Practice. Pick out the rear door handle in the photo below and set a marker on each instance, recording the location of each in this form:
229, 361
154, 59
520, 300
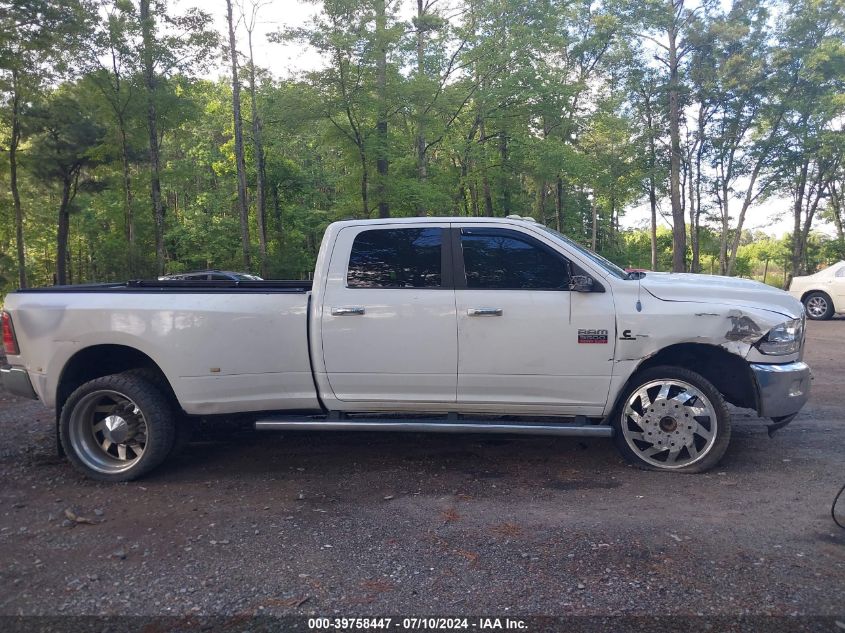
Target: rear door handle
484, 312
348, 311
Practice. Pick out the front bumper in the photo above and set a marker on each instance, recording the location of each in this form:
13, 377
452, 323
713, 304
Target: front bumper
781, 389
16, 381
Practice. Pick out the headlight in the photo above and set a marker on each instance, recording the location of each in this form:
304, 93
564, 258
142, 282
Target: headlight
783, 339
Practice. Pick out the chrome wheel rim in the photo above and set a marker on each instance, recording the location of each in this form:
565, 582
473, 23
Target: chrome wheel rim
669, 423
817, 306
108, 431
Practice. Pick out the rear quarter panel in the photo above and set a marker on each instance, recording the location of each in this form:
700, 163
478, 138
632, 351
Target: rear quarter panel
221, 352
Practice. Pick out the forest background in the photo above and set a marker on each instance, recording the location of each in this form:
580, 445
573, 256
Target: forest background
141, 138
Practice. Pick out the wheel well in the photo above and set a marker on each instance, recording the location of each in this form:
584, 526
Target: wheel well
104, 360
809, 292
729, 373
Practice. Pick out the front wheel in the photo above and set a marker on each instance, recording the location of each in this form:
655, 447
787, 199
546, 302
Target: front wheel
818, 306
672, 419
117, 428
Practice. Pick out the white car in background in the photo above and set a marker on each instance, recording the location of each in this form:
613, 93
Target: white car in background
823, 294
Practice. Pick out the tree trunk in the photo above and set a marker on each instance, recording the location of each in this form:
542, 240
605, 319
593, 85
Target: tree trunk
260, 168
128, 213
559, 225
13, 178
243, 210
595, 213
485, 181
836, 208
679, 232
724, 205
693, 224
128, 217
746, 203
152, 128
365, 185
462, 187
540, 201
63, 232
749, 191
382, 164
809, 213
797, 263
696, 228
422, 160
652, 190
473, 198
488, 197
277, 213
506, 190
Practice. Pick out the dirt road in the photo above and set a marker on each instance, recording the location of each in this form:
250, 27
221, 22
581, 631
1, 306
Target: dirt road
414, 524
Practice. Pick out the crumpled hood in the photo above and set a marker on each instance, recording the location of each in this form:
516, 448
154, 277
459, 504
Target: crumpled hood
733, 291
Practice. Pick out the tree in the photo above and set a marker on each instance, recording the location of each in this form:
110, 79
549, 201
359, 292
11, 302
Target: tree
114, 65
382, 148
666, 25
171, 44
835, 211
438, 91
151, 83
37, 40
257, 141
243, 208
647, 94
810, 59
63, 148
745, 117
357, 39
571, 111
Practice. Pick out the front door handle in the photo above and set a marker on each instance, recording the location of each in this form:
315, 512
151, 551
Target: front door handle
484, 312
347, 311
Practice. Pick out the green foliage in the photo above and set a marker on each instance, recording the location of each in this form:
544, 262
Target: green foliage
554, 109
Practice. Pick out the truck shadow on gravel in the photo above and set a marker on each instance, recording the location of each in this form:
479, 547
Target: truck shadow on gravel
257, 454
240, 453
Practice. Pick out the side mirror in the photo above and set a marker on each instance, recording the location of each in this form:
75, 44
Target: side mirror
581, 283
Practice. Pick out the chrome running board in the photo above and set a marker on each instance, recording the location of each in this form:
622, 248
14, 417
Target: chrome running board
288, 423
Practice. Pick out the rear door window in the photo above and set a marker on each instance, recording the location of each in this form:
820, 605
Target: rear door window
396, 258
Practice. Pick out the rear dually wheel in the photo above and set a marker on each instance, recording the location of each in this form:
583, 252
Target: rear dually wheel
117, 428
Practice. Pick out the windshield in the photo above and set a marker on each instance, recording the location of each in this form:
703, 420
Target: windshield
597, 259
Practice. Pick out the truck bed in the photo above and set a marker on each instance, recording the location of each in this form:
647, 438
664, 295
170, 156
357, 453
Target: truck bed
224, 346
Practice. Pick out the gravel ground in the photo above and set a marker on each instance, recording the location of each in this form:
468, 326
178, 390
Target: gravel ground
420, 524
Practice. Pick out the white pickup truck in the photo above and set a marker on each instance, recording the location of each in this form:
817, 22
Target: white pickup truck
494, 325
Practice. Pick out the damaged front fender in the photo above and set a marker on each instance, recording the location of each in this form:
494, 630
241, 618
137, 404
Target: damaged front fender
668, 332
663, 323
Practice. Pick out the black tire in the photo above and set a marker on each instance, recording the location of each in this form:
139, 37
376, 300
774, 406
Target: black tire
185, 425
699, 457
147, 406
821, 306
